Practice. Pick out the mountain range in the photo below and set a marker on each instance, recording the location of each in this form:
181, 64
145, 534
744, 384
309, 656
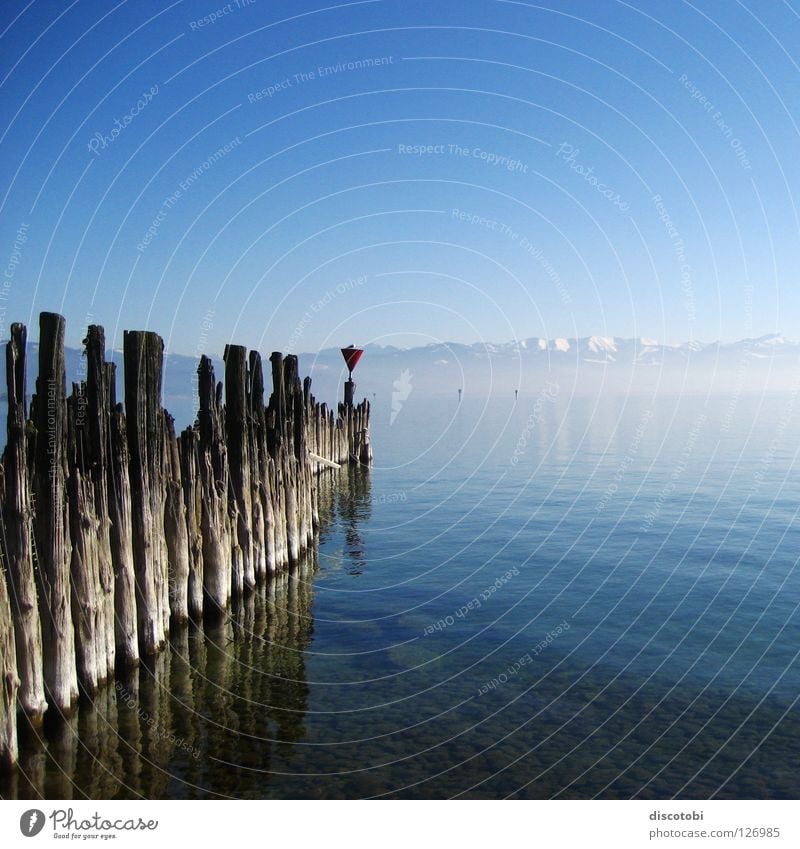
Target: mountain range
583, 365
587, 364
603, 349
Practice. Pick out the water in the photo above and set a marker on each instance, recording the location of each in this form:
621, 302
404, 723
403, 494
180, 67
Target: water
559, 598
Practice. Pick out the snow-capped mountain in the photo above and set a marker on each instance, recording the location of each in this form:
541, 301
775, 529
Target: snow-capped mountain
604, 349
589, 364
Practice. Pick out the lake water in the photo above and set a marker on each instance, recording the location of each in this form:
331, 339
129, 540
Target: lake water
556, 597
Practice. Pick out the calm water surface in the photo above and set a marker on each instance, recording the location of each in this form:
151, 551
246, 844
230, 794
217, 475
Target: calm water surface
555, 598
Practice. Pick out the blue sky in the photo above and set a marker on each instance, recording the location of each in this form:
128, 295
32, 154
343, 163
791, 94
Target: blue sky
462, 171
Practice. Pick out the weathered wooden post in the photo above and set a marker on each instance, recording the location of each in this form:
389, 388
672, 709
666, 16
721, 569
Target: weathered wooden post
258, 463
9, 681
51, 518
18, 536
277, 401
144, 353
91, 569
305, 525
276, 439
291, 471
175, 528
121, 532
90, 648
237, 431
365, 450
213, 459
98, 412
192, 499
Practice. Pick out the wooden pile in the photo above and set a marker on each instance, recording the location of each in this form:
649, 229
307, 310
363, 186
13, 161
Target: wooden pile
116, 529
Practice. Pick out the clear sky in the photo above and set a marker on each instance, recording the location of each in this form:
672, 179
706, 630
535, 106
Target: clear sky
293, 175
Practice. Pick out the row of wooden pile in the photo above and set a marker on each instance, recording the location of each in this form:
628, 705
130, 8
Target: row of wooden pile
114, 528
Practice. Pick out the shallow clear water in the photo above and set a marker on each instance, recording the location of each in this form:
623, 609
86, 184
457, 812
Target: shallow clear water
555, 598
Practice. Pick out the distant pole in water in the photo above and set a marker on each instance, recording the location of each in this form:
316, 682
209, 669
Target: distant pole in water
516, 393
351, 356
459, 396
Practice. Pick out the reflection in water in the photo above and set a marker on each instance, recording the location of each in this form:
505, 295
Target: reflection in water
262, 705
347, 505
210, 715
233, 692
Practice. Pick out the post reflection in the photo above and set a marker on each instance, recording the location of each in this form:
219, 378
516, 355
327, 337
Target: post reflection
204, 718
347, 502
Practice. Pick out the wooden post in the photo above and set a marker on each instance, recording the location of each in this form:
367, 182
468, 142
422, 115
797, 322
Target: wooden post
9, 681
98, 412
277, 402
85, 582
291, 470
18, 537
364, 455
50, 524
120, 510
280, 483
301, 391
237, 430
192, 495
217, 570
175, 526
91, 567
276, 441
258, 462
271, 537
144, 353
349, 392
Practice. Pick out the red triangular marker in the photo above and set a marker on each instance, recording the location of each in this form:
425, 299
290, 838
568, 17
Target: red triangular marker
351, 356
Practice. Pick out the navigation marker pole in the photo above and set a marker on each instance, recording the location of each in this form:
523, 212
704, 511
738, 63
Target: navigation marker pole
351, 356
